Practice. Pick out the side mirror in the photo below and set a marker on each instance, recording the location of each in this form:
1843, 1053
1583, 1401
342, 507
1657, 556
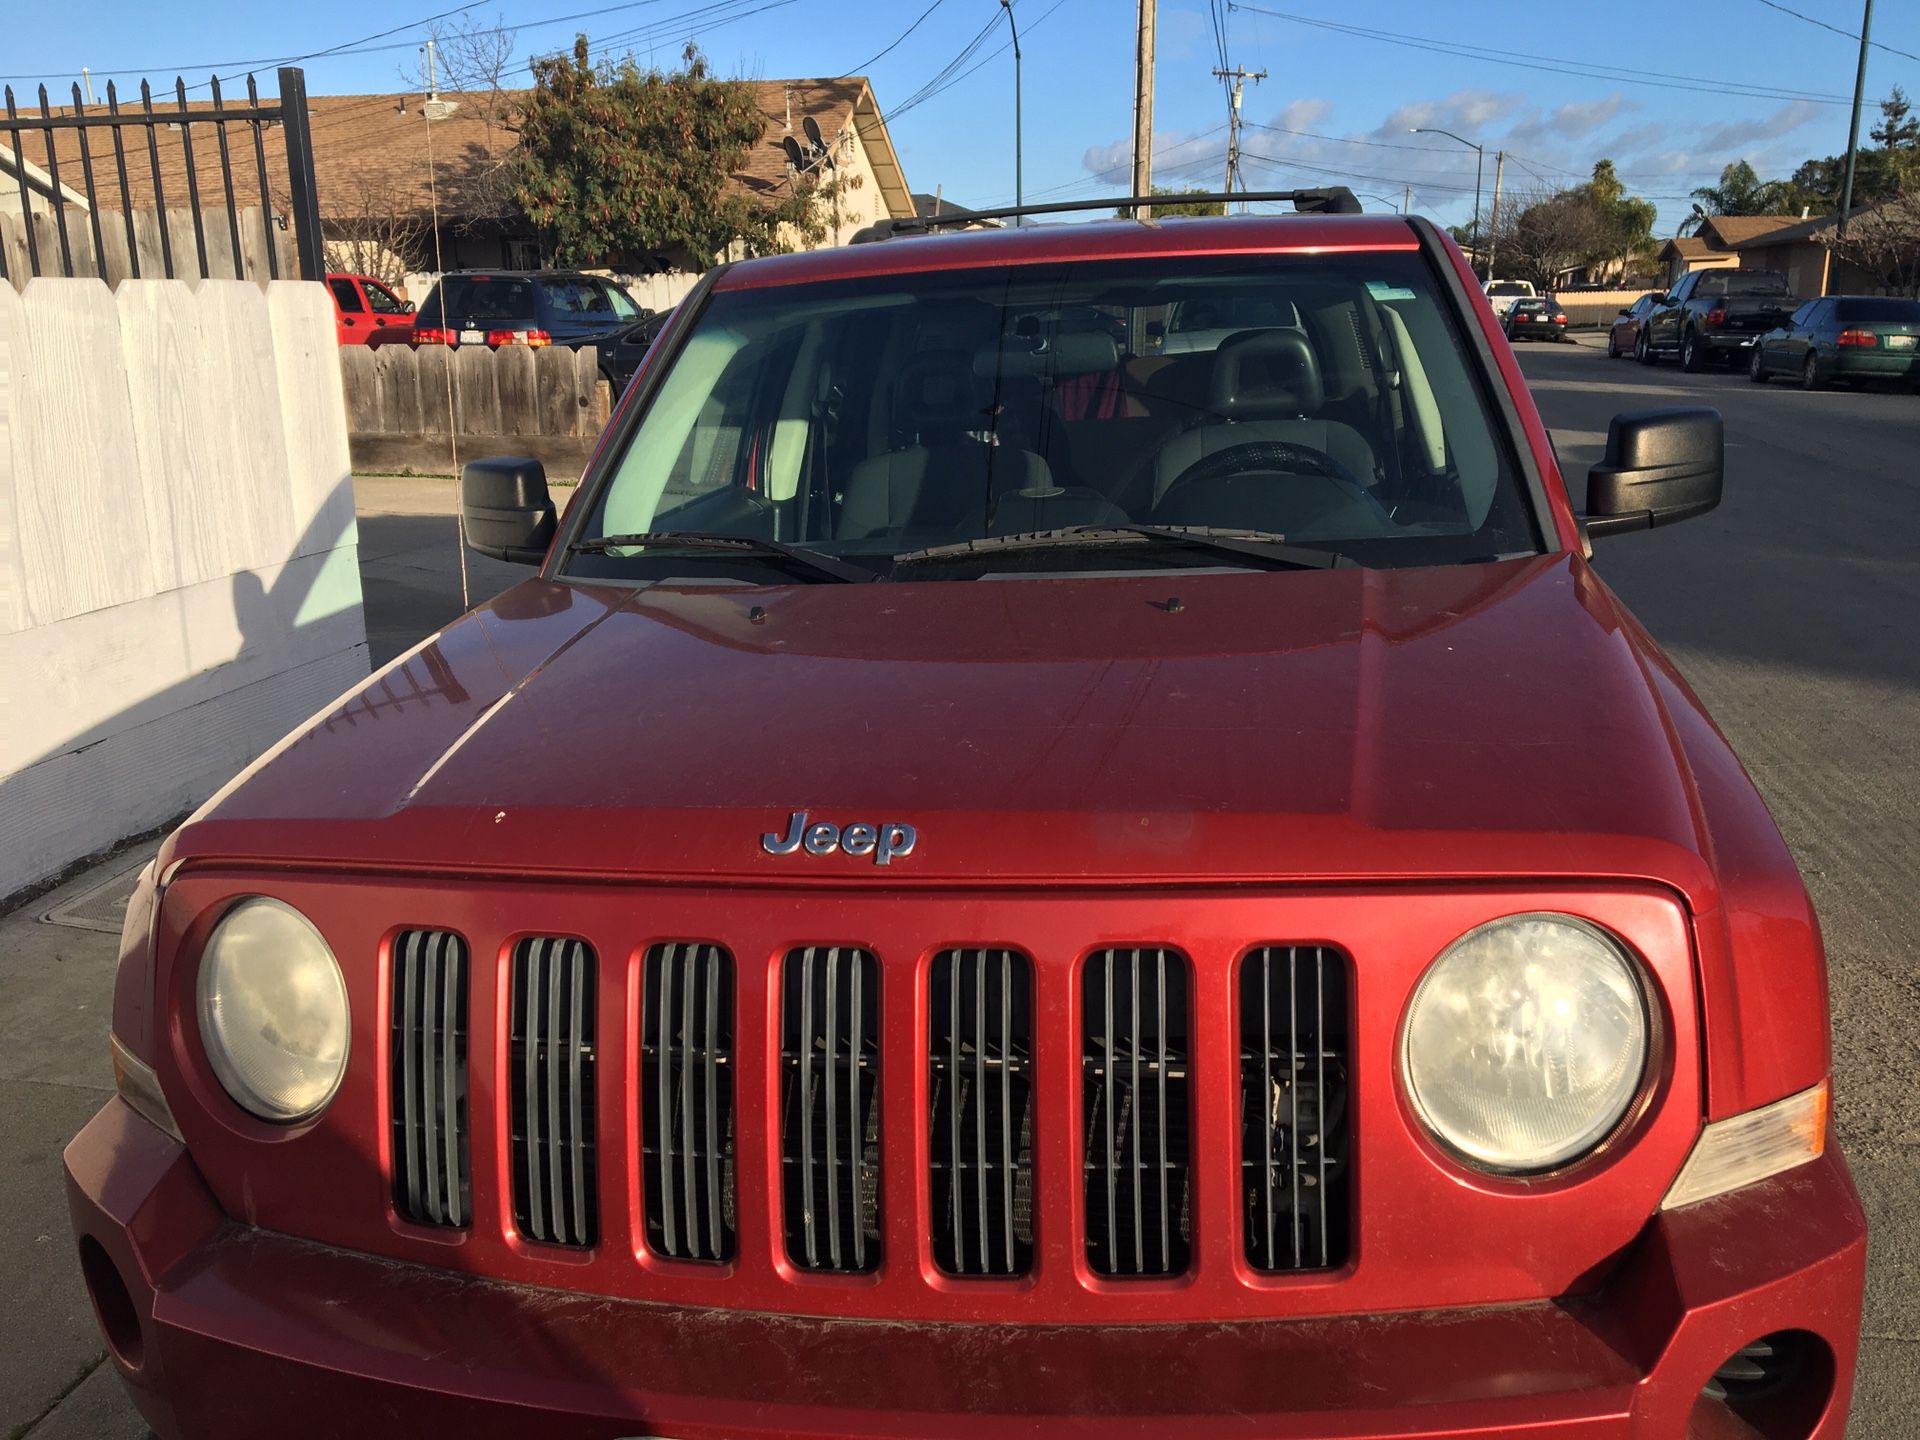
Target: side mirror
1626, 314
506, 510
1660, 466
406, 307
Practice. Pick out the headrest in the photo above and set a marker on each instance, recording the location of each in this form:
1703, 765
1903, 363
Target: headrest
935, 389
1075, 352
1265, 374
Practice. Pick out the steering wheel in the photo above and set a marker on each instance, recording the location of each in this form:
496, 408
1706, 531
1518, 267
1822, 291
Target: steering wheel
1274, 456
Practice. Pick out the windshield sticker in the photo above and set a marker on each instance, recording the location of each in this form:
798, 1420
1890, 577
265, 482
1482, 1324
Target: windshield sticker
1381, 290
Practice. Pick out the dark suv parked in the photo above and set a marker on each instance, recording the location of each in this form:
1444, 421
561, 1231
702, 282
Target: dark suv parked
1715, 314
537, 308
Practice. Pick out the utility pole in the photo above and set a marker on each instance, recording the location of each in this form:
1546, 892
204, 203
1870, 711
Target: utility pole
1406, 202
1239, 75
1493, 221
1019, 184
1143, 109
1853, 131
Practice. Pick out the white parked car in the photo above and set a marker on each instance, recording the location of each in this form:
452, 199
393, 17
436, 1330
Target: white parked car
1503, 293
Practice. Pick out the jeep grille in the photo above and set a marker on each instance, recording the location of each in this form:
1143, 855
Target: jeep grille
551, 1069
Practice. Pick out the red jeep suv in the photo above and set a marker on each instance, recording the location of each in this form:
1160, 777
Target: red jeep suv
1004, 877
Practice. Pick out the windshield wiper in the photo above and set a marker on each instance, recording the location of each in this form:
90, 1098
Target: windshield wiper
810, 562
1269, 549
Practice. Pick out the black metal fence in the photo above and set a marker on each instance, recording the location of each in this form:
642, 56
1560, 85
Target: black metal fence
162, 228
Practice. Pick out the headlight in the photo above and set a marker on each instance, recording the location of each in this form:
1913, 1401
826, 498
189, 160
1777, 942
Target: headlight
1526, 1042
273, 1011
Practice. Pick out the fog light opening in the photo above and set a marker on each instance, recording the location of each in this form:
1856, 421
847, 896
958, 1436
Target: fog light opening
113, 1304
1778, 1386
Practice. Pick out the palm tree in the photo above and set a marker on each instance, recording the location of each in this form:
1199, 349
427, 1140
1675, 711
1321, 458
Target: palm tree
1740, 192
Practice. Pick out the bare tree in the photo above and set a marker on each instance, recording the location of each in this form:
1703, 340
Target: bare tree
1883, 241
376, 230
1547, 233
475, 64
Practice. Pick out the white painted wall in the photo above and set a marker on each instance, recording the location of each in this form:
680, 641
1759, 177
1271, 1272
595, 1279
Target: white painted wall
179, 577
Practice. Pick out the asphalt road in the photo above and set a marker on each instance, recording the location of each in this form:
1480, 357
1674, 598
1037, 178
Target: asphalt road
1792, 610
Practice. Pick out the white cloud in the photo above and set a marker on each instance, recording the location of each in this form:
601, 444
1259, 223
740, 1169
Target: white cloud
1465, 110
1303, 114
1784, 121
1580, 118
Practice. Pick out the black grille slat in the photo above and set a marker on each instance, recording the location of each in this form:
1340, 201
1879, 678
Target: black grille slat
431, 1180
1136, 1094
686, 1057
830, 1109
1294, 1045
553, 1112
980, 1111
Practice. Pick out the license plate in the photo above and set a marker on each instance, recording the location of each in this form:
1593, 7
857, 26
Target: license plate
472, 337
1900, 342
1746, 342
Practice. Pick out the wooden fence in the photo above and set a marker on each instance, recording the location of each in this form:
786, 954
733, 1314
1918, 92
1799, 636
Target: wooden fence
1598, 307
426, 409
111, 262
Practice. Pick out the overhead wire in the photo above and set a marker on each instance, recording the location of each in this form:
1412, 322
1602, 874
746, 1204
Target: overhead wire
1844, 34
933, 88
874, 59
1523, 60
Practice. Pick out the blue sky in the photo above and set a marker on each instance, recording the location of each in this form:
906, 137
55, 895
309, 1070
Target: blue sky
1337, 103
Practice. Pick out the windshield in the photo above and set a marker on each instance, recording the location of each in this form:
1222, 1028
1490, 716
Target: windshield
1744, 282
585, 297
481, 298
1333, 406
1892, 310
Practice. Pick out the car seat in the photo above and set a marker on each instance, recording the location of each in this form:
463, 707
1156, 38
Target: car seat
1265, 386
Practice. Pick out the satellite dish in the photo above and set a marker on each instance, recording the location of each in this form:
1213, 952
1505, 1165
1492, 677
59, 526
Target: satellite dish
812, 127
437, 109
794, 157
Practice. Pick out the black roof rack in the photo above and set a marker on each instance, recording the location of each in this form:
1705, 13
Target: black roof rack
1333, 200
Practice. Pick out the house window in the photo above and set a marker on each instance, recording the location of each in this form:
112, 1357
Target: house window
521, 254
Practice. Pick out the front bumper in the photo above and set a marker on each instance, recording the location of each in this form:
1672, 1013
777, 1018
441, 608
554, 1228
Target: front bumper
222, 1330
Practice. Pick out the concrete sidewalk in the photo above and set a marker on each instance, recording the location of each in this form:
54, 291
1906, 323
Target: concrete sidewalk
57, 957
56, 975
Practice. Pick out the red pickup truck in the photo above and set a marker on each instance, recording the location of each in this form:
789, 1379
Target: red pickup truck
368, 312
995, 880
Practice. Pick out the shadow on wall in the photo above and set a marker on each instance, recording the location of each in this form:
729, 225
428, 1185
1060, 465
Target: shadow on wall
256, 654
178, 575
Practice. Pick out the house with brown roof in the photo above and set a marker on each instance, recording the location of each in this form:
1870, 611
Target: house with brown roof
1715, 245
396, 165
1811, 269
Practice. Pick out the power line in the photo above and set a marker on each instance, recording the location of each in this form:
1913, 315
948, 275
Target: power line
711, 16
1113, 171
266, 60
1846, 34
1523, 61
939, 84
866, 64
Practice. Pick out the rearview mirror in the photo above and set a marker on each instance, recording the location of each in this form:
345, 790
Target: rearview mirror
506, 510
1660, 466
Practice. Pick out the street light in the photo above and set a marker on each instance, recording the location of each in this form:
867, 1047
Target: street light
1019, 195
1479, 165
1386, 200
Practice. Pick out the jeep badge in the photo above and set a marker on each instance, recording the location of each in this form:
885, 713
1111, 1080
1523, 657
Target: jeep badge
884, 842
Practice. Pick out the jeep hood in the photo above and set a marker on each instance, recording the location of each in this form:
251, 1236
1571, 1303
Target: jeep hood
1469, 721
